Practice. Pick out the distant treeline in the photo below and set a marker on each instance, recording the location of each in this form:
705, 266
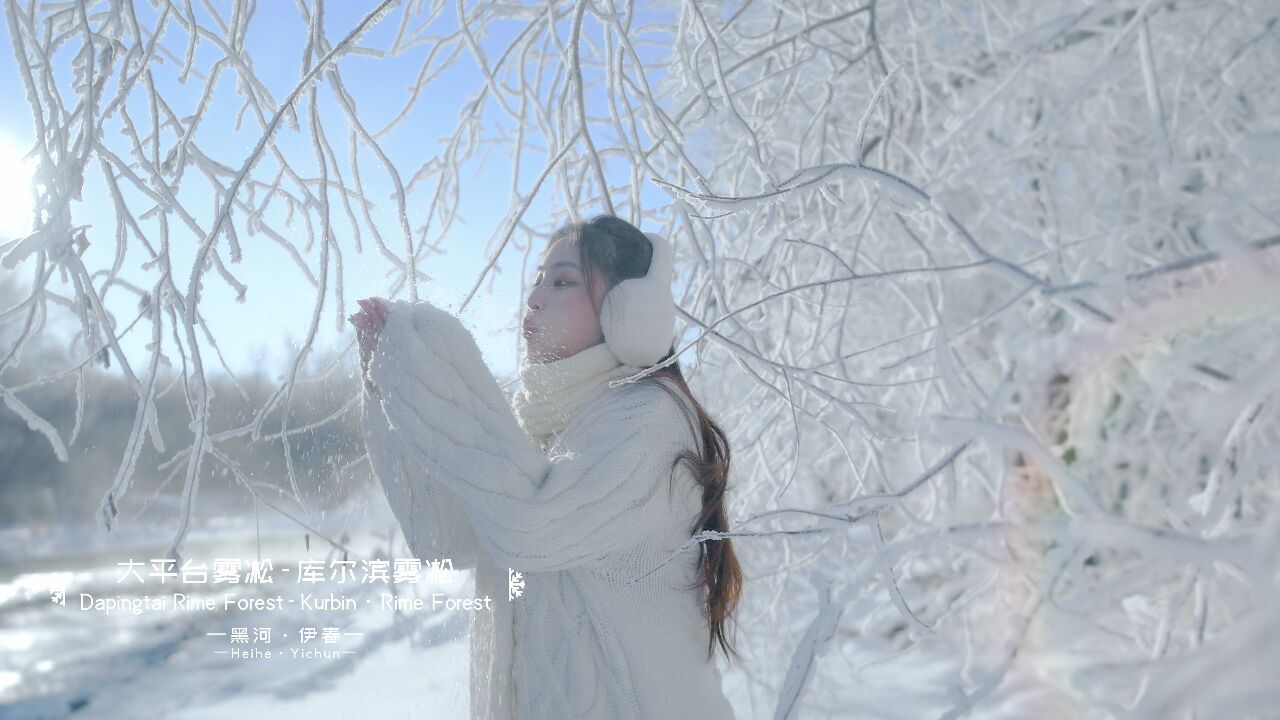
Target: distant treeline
35, 487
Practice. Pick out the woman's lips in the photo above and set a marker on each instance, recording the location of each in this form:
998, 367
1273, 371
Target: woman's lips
529, 329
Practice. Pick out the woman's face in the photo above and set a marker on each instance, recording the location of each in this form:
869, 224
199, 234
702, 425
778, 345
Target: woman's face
560, 317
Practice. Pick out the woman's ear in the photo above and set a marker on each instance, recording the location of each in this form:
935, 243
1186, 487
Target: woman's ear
639, 314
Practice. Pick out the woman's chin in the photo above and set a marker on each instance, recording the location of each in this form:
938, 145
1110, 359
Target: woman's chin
536, 354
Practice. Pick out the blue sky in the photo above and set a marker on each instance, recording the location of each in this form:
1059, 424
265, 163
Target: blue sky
280, 301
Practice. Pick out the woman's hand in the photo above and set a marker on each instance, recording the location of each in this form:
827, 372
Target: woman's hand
369, 322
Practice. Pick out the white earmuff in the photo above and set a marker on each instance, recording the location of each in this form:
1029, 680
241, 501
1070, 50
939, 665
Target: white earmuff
638, 315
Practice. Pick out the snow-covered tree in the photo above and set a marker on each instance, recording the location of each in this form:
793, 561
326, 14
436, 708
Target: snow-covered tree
1001, 280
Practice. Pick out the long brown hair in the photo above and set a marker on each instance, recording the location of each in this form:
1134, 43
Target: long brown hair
619, 250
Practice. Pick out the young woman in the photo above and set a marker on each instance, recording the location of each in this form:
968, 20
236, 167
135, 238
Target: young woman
588, 489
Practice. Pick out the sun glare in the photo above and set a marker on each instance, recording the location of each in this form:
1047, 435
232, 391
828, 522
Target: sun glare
15, 189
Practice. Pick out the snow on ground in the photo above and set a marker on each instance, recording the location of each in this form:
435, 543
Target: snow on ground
63, 661
58, 661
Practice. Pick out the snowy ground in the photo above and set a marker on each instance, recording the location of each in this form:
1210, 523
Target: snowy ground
62, 661
58, 661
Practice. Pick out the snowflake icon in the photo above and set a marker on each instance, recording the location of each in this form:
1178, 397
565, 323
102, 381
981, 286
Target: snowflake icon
515, 584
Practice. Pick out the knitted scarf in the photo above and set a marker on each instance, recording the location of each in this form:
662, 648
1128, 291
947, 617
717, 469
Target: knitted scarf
553, 393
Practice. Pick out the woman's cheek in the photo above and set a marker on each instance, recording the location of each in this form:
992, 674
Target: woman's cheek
583, 317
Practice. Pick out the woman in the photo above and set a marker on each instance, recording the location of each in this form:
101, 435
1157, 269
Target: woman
588, 489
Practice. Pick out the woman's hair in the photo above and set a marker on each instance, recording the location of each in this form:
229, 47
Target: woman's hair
619, 250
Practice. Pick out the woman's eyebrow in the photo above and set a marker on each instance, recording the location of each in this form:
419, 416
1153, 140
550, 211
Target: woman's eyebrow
562, 262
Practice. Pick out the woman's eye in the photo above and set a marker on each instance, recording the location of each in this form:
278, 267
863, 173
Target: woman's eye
538, 281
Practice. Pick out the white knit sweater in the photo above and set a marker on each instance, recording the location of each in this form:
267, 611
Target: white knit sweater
572, 491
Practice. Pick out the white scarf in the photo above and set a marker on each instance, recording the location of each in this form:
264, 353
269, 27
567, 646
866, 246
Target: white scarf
553, 393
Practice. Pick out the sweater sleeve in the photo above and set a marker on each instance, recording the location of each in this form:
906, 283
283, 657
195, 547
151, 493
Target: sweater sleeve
530, 512
433, 520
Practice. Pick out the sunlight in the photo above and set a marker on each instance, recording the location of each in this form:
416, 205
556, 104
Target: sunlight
15, 189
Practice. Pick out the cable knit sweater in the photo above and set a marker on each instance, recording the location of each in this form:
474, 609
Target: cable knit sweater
576, 490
